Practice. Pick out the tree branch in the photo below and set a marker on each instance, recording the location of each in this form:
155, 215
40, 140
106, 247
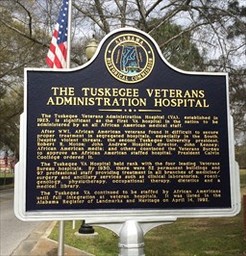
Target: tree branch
23, 34
142, 12
102, 16
182, 33
122, 9
89, 15
30, 18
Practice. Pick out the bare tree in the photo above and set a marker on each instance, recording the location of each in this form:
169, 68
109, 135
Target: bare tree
215, 31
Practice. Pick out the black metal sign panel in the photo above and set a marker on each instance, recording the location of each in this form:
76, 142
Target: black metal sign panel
127, 132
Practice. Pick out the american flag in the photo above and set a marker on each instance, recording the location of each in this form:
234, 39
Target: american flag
57, 54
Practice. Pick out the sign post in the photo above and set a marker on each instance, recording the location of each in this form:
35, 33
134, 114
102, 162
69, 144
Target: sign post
126, 137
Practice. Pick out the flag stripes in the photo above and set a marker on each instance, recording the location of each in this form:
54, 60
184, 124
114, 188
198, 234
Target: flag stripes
57, 54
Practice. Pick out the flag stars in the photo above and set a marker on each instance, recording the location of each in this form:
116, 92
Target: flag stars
62, 21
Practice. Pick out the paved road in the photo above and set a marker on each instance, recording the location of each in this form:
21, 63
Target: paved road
12, 230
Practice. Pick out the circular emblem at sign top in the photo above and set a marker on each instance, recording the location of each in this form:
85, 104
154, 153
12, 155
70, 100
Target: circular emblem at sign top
129, 58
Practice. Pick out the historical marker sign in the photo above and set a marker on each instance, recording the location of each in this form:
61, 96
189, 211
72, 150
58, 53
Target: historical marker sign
127, 134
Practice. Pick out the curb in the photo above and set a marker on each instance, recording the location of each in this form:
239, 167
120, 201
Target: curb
38, 244
27, 245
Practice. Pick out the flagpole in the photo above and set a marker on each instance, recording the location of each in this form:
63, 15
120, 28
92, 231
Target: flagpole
61, 223
69, 33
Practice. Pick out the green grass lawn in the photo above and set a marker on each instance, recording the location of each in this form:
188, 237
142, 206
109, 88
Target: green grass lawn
7, 175
6, 179
185, 237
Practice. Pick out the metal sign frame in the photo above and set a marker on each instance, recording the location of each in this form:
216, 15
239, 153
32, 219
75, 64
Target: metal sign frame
120, 215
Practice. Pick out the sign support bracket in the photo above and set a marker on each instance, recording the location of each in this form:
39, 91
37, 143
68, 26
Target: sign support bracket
131, 234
